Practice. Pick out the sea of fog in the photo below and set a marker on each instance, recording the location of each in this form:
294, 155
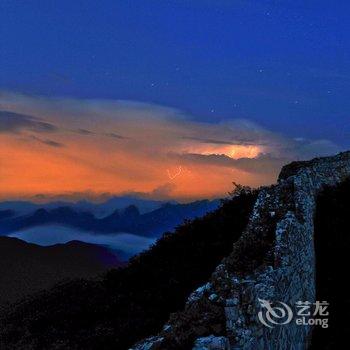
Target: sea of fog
126, 243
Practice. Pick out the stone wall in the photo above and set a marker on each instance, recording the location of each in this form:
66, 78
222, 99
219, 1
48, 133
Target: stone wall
273, 260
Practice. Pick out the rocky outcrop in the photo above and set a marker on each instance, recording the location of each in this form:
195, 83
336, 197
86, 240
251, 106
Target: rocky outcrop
274, 260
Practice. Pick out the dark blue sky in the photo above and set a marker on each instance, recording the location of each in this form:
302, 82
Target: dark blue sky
283, 64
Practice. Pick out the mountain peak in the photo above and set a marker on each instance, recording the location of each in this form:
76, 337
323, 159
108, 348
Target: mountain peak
131, 211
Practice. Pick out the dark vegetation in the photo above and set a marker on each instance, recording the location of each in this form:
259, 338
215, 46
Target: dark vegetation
332, 245
131, 303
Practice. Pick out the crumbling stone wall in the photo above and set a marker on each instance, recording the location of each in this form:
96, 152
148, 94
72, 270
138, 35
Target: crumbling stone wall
273, 260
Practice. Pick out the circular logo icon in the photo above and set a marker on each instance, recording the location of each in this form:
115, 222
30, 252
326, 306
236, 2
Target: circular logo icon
271, 316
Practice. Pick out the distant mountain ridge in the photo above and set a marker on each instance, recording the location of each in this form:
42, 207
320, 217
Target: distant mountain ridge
22, 207
129, 219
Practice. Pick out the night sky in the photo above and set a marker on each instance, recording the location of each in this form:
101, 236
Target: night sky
280, 65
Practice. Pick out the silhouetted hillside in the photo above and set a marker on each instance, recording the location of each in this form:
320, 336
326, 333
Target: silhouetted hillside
132, 302
26, 268
332, 246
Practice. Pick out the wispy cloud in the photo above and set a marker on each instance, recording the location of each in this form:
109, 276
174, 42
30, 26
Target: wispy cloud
114, 135
108, 146
263, 163
11, 122
47, 142
84, 132
238, 141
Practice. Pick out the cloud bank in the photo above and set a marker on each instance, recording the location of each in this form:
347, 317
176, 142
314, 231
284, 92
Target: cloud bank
60, 145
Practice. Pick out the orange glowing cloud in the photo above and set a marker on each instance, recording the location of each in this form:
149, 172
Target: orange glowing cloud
65, 146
